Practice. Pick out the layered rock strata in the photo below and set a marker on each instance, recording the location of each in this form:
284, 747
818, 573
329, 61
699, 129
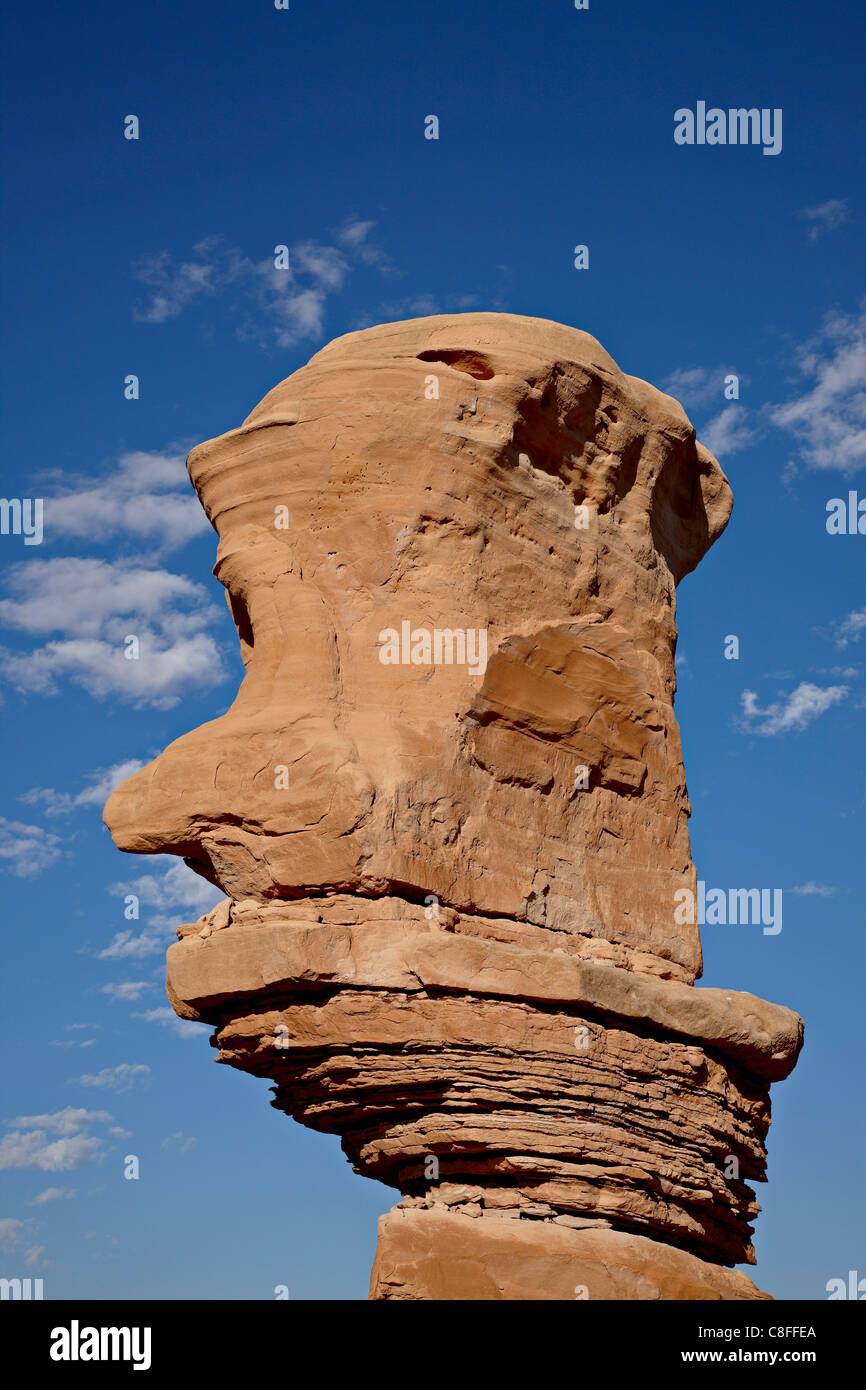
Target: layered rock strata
451, 932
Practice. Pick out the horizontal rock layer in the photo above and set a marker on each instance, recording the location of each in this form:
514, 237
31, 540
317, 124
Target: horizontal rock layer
541, 1083
274, 947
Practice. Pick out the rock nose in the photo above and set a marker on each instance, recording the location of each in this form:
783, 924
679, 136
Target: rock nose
258, 809
168, 807
145, 817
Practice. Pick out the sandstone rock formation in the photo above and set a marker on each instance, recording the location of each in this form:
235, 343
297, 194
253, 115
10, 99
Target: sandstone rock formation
449, 812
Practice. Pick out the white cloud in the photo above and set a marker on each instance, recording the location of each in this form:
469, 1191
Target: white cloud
829, 417
179, 1140
129, 945
353, 235
97, 791
177, 886
300, 315
293, 299
36, 1150
53, 1194
826, 217
814, 890
851, 629
800, 708
175, 284
78, 596
728, 432
95, 605
173, 895
324, 264
120, 1078
175, 890
78, 1028
26, 850
69, 1120
697, 386
148, 496
11, 1231
167, 1018
422, 305
33, 1255
128, 990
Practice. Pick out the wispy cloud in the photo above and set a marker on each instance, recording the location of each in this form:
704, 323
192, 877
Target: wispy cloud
172, 893
848, 673
26, 850
795, 712
167, 1018
70, 1120
728, 432
851, 628
731, 428
826, 217
179, 1140
292, 299
423, 305
172, 285
95, 607
11, 1232
828, 418
120, 1078
101, 783
128, 990
697, 386
814, 890
134, 945
53, 1194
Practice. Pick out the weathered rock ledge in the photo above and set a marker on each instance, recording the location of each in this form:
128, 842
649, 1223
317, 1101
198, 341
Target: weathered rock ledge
276, 954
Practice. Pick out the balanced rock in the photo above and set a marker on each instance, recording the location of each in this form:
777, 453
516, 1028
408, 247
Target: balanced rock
449, 812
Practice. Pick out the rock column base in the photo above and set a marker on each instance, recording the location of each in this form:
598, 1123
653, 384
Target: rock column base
429, 1254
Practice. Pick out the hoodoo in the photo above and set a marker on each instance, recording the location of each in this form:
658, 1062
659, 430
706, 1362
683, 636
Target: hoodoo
440, 942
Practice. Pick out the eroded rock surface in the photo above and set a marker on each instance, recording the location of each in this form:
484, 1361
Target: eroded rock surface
450, 933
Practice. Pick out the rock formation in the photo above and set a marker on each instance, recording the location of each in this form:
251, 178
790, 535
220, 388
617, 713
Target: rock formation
449, 813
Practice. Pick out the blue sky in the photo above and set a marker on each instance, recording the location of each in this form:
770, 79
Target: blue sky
154, 257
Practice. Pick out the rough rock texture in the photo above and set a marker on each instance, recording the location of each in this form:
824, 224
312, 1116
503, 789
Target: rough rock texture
451, 933
440, 1256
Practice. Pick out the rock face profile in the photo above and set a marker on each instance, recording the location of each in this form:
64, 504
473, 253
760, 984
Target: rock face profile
449, 813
